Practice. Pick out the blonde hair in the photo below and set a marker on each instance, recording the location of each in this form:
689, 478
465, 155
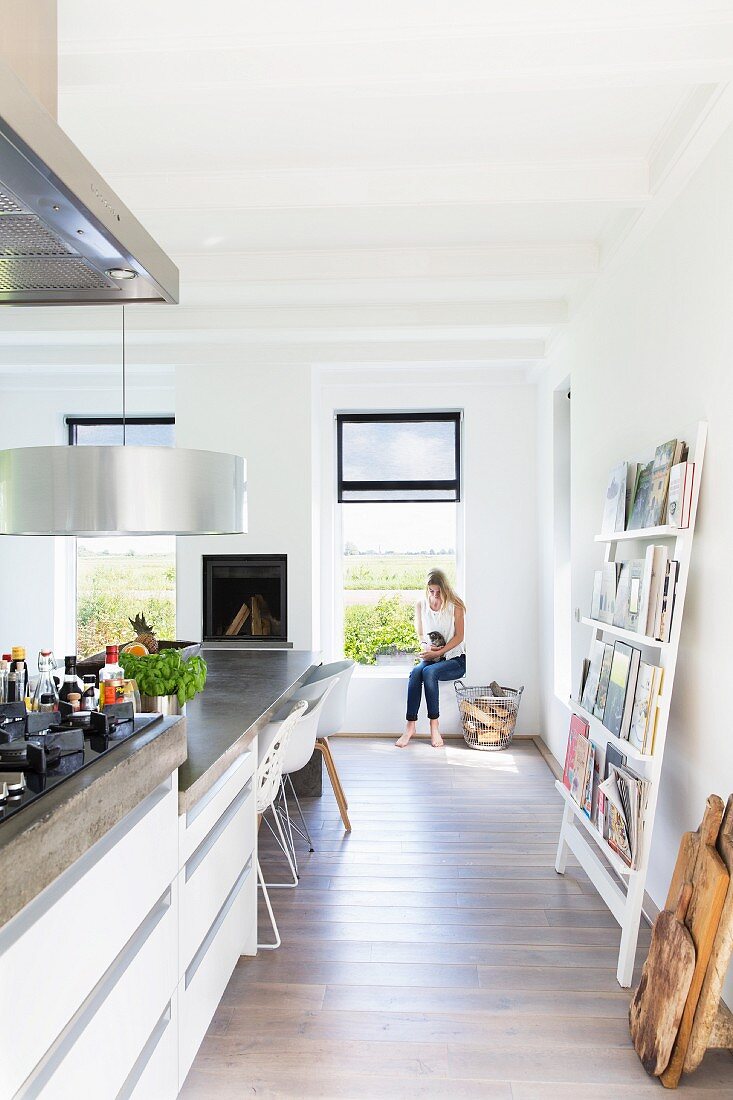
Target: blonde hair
448, 594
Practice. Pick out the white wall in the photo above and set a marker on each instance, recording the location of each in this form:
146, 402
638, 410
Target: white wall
264, 414
498, 540
651, 356
37, 573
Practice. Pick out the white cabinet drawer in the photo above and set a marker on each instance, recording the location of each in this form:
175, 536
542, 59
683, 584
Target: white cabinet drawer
102, 1044
212, 870
207, 975
55, 951
156, 1075
197, 822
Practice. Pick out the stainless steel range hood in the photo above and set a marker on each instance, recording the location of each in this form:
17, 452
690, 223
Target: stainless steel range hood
65, 237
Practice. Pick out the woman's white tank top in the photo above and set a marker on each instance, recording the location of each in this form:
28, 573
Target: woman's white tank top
443, 621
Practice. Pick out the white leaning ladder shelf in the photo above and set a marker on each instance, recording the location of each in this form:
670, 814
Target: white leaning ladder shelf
622, 888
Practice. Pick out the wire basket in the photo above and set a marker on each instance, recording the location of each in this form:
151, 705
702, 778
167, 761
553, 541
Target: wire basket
488, 720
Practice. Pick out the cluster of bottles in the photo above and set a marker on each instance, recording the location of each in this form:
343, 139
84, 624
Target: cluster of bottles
44, 693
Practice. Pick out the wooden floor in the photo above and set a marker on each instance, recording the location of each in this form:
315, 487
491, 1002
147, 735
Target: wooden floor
434, 952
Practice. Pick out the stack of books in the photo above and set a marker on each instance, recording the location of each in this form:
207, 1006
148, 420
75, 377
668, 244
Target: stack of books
637, 594
622, 690
616, 804
652, 494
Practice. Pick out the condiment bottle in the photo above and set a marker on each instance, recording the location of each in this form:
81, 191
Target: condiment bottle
110, 678
47, 703
18, 681
89, 698
71, 680
46, 685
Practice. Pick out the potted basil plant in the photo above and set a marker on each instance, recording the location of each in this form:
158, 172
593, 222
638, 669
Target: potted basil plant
165, 680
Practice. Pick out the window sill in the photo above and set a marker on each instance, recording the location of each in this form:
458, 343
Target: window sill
383, 672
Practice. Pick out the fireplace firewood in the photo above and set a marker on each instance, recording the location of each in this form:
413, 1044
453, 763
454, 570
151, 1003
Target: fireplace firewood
256, 616
238, 621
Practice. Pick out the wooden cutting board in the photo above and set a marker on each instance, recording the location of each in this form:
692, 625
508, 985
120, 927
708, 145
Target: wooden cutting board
658, 1004
710, 880
708, 1005
690, 846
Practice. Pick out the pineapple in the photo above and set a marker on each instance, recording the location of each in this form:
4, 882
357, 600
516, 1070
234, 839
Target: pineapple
145, 634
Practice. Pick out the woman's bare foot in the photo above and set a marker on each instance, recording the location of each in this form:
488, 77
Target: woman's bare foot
404, 741
435, 739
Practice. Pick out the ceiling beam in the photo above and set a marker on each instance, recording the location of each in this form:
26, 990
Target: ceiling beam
46, 325
207, 355
624, 182
415, 61
420, 264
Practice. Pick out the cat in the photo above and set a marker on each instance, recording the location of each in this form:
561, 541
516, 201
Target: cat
436, 638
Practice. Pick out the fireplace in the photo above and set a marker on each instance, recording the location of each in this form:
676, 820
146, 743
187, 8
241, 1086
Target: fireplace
246, 598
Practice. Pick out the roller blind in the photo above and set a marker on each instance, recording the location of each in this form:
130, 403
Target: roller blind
399, 457
103, 431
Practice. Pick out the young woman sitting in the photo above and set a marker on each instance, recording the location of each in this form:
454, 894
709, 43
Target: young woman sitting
439, 612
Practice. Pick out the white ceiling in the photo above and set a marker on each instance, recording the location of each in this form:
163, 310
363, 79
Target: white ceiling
391, 181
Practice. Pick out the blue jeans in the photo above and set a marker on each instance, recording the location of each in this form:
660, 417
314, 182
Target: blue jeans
427, 675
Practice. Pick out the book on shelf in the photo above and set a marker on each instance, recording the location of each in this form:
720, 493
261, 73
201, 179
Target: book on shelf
642, 495
613, 756
679, 500
577, 756
669, 593
602, 692
590, 687
666, 456
618, 498
595, 781
629, 597
644, 710
626, 795
637, 595
621, 688
609, 584
587, 803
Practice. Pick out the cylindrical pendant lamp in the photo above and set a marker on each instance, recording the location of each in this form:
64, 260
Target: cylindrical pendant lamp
94, 491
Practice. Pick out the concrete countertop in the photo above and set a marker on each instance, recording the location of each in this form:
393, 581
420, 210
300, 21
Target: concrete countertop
42, 840
244, 688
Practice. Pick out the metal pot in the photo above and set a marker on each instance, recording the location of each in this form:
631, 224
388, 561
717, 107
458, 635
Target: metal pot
161, 704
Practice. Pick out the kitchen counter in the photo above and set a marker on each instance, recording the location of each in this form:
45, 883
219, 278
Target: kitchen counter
244, 689
41, 841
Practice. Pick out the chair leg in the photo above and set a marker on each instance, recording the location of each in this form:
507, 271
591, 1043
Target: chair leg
281, 808
304, 831
282, 843
323, 746
273, 922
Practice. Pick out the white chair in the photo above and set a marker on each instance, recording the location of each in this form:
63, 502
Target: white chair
333, 716
298, 752
269, 778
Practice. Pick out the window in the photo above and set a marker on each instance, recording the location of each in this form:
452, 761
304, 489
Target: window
119, 578
140, 431
398, 457
396, 524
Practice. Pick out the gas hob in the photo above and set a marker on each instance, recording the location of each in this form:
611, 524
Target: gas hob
40, 751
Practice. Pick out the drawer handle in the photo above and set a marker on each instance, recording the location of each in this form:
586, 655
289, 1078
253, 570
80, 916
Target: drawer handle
133, 1077
39, 1078
221, 782
218, 921
213, 835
